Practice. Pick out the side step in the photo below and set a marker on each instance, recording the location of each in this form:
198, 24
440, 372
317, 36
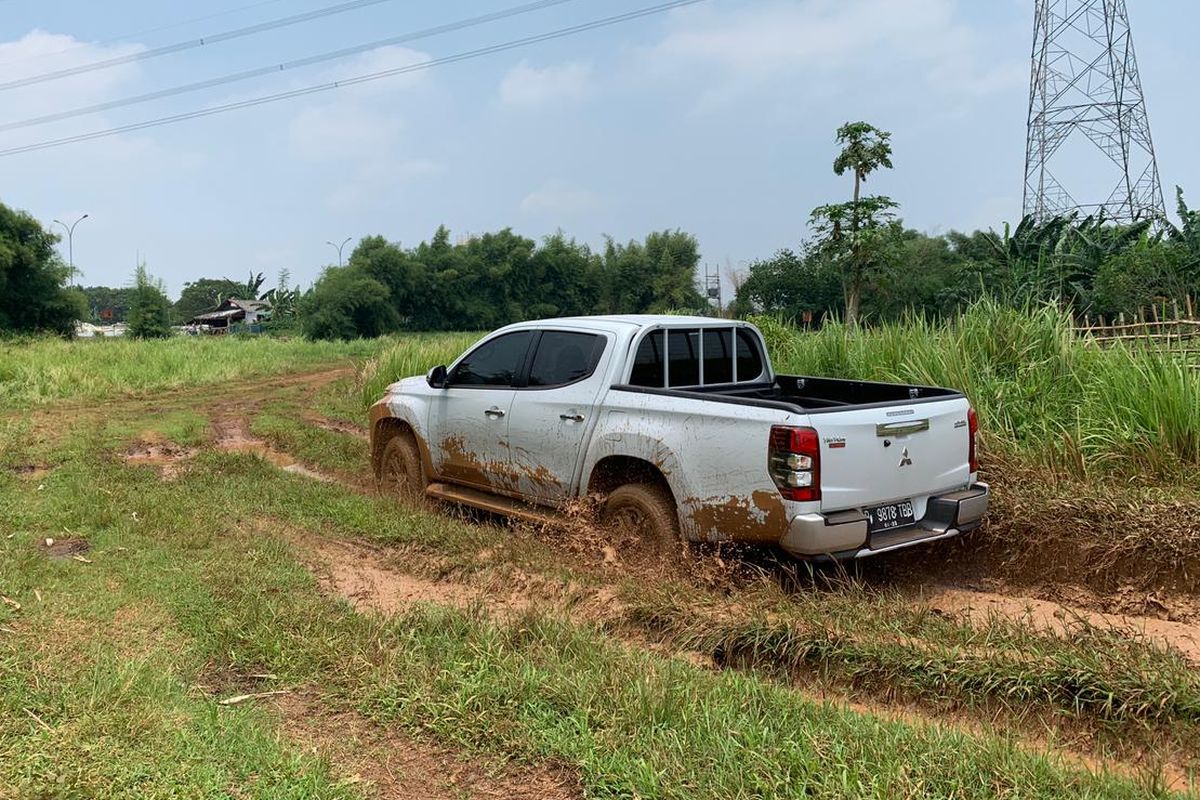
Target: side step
493, 503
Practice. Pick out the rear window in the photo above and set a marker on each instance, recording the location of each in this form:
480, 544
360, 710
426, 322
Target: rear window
750, 365
683, 353
718, 350
648, 362
564, 358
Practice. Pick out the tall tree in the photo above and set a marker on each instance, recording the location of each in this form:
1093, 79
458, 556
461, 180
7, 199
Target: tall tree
347, 303
149, 314
855, 235
33, 296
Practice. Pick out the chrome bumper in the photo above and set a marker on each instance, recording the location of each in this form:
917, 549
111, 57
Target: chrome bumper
844, 535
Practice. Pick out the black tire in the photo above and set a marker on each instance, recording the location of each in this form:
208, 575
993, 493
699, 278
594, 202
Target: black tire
643, 518
400, 470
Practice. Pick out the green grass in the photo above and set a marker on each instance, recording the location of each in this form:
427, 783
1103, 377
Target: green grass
879, 642
46, 370
1043, 396
414, 354
331, 450
108, 683
194, 589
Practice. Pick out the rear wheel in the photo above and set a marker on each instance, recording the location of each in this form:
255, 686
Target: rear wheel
643, 518
400, 472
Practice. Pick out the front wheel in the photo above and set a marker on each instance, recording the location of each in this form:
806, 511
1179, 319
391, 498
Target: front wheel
400, 471
643, 515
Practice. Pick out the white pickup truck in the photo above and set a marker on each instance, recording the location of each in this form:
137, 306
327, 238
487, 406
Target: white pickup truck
684, 430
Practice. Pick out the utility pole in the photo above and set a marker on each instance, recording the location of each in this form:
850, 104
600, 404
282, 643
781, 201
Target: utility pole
339, 247
1087, 110
71, 241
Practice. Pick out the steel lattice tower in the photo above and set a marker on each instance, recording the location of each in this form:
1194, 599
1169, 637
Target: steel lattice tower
1086, 105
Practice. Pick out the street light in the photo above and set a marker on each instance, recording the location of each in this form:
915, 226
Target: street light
70, 229
339, 247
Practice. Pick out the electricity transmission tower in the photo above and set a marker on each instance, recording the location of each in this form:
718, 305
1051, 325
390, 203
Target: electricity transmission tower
1087, 116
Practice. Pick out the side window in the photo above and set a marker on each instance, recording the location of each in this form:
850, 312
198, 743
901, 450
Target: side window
648, 362
494, 363
718, 356
564, 358
683, 352
749, 360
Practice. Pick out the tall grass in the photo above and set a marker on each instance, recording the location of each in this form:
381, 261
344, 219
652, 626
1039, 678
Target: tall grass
1041, 393
39, 371
414, 354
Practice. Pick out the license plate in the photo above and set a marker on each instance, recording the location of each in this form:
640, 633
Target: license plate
890, 517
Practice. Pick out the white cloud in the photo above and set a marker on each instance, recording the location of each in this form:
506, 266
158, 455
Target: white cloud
39, 52
742, 47
528, 87
104, 159
343, 131
363, 125
557, 199
381, 59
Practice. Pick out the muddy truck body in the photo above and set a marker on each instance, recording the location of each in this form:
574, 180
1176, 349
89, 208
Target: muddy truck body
682, 429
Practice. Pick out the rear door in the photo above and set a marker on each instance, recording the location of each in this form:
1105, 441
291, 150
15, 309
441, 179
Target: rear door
552, 415
469, 419
889, 454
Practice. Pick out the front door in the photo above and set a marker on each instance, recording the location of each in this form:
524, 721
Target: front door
555, 411
469, 420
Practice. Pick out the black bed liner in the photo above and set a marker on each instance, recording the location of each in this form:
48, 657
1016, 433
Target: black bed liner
809, 395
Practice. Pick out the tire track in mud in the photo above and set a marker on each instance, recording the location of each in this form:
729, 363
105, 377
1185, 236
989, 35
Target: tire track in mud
371, 579
1169, 621
368, 577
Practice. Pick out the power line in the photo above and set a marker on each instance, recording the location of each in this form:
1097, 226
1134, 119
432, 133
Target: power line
287, 65
179, 47
124, 36
419, 66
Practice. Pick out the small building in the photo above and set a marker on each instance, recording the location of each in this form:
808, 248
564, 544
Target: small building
232, 314
86, 330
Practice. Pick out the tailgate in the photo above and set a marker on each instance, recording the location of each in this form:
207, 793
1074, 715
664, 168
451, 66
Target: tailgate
883, 454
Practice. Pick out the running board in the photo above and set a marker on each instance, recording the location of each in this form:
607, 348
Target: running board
493, 503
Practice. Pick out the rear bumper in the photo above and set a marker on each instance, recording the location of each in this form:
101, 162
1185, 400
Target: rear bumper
844, 535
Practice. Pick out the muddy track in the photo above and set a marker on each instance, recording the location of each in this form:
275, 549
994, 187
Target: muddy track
374, 580
930, 576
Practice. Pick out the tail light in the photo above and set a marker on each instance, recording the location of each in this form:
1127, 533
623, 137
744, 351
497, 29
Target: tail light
973, 452
794, 461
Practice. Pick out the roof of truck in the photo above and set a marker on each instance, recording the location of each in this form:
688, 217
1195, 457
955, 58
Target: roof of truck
640, 320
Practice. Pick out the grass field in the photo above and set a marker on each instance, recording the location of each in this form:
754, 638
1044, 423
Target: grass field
391, 650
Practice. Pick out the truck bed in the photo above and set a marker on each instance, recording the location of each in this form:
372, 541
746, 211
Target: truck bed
811, 395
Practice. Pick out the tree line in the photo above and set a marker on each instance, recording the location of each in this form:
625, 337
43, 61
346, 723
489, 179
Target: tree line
863, 263
860, 264
497, 278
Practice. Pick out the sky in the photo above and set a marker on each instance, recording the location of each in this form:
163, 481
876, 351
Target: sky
717, 119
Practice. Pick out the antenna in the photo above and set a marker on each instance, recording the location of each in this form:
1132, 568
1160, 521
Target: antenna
1086, 108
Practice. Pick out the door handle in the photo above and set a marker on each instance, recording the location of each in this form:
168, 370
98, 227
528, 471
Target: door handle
571, 417
494, 412
902, 428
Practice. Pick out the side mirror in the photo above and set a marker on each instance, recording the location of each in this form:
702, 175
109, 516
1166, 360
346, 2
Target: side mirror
436, 377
